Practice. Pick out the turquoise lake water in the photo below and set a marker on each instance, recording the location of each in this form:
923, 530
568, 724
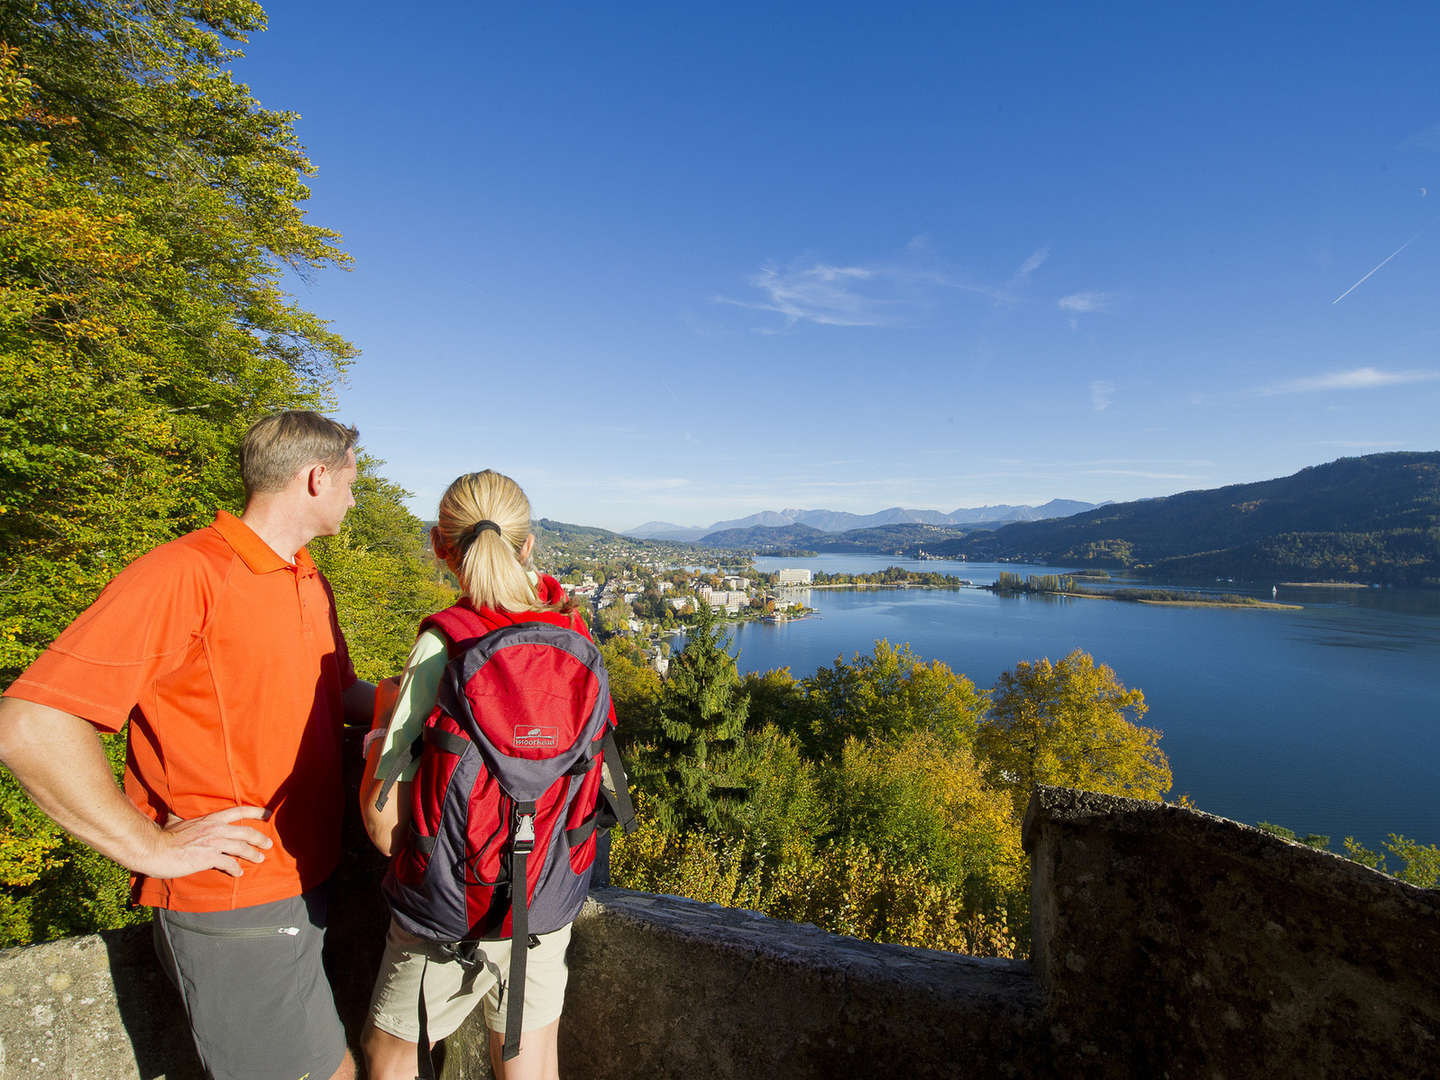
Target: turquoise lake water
1325, 719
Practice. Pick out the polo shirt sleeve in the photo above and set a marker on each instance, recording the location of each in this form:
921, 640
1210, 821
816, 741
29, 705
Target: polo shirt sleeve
140, 627
420, 682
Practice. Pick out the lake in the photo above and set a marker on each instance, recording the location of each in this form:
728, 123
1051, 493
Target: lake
1324, 720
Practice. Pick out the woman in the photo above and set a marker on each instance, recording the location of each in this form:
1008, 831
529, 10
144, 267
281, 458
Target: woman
483, 536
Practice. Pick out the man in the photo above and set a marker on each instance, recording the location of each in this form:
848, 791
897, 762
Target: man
222, 651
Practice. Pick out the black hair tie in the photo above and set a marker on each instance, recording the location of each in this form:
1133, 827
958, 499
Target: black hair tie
478, 528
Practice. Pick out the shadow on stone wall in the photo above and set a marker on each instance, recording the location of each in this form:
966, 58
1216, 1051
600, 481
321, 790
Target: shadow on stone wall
1167, 942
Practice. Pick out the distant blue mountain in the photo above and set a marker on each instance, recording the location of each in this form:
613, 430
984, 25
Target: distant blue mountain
664, 530
836, 521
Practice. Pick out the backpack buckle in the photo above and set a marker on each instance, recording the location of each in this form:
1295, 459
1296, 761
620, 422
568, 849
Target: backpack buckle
524, 841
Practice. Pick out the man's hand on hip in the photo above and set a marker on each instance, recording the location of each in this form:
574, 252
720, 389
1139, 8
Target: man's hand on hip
213, 842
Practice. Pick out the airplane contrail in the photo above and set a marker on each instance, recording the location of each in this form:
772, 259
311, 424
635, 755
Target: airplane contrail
1377, 266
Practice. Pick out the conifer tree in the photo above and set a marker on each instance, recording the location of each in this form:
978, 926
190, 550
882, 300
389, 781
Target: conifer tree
702, 709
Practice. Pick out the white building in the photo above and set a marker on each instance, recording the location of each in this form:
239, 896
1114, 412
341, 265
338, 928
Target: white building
730, 600
794, 577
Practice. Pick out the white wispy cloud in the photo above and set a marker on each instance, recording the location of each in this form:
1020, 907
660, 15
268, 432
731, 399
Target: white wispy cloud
1365, 378
818, 293
879, 294
1102, 392
1030, 265
1086, 302
1427, 139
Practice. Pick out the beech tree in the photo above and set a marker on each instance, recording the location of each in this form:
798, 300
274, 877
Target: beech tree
921, 801
1071, 724
888, 694
148, 208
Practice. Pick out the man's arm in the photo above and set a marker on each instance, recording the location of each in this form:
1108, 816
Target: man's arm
58, 759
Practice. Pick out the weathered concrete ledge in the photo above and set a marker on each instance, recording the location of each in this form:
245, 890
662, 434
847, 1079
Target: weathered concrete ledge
1169, 942
662, 986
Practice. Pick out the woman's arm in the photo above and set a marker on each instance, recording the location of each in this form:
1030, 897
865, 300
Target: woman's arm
383, 826
409, 705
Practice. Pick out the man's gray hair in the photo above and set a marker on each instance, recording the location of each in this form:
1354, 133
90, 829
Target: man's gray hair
279, 445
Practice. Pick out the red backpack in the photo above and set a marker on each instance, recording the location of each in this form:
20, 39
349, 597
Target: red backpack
508, 801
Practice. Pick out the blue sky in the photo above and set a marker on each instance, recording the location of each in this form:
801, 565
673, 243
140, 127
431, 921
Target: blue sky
684, 263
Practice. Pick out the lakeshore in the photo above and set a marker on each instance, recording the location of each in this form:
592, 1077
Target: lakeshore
1263, 605
960, 583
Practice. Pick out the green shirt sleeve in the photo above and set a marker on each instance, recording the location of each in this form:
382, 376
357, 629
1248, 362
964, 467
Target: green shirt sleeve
419, 684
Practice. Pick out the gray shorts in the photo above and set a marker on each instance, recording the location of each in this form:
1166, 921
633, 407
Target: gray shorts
254, 988
453, 989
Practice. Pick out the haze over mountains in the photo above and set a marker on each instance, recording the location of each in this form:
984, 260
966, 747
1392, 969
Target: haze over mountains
835, 521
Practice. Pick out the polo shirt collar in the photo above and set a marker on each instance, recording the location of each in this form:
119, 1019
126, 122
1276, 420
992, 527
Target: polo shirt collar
259, 556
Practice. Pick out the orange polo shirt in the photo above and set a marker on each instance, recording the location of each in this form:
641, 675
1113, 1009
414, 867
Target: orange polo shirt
229, 665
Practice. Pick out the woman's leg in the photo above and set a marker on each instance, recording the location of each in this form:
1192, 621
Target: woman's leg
539, 1057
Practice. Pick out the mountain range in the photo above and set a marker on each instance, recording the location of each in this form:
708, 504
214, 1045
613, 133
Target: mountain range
837, 521
1366, 519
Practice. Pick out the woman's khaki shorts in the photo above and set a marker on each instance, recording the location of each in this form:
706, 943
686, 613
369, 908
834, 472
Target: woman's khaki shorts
453, 989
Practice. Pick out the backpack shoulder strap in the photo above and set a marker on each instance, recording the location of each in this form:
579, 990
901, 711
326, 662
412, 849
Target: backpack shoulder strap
460, 623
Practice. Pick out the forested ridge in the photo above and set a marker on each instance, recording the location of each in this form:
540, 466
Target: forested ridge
1372, 518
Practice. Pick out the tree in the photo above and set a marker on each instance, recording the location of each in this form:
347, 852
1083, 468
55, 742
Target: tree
634, 691
785, 812
148, 208
921, 801
1422, 861
702, 710
1070, 724
777, 699
384, 581
889, 693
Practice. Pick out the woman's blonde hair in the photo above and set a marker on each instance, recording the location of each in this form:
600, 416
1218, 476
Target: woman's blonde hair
487, 560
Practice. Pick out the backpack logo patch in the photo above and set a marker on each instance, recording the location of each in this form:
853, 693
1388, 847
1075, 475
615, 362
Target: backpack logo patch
530, 736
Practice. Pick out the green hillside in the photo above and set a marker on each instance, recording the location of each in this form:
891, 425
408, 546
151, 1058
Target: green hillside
1371, 519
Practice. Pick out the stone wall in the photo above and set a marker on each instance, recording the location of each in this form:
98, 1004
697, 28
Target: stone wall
1166, 943
667, 987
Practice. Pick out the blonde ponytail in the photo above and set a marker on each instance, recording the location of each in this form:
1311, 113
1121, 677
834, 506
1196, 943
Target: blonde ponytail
484, 519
